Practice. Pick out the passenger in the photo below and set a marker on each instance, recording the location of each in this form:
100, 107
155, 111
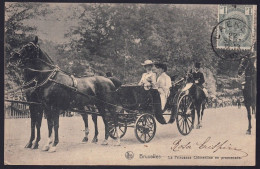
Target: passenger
163, 82
148, 79
199, 78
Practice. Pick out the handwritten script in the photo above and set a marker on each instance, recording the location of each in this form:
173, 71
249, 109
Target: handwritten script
207, 144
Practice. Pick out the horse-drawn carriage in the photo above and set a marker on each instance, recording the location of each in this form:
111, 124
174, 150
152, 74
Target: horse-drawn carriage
138, 108
141, 107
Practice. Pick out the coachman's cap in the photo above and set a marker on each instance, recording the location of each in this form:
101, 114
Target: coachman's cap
147, 62
109, 74
197, 65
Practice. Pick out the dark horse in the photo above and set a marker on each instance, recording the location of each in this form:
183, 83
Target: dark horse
247, 68
199, 99
57, 91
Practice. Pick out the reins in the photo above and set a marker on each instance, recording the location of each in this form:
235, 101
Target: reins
24, 85
51, 75
50, 79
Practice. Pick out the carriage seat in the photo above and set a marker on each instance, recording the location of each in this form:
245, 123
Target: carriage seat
134, 97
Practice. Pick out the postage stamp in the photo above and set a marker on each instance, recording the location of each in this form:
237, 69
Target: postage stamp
235, 26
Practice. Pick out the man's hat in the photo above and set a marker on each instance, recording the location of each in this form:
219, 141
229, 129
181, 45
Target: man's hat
197, 65
147, 62
162, 66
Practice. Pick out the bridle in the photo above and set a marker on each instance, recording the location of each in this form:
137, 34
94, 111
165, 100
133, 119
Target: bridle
52, 72
36, 51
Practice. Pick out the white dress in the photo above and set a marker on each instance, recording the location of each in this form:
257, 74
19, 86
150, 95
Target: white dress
163, 85
148, 80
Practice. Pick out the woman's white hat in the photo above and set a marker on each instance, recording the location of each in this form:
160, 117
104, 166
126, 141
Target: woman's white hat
147, 62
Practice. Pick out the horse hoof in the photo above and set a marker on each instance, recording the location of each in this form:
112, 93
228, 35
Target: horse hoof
35, 146
85, 139
28, 145
117, 143
248, 132
105, 142
198, 127
52, 149
46, 148
192, 126
95, 140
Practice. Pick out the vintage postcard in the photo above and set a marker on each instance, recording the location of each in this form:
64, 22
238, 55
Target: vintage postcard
130, 84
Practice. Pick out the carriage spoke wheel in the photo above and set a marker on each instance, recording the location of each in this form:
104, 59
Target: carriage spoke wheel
185, 113
122, 127
145, 128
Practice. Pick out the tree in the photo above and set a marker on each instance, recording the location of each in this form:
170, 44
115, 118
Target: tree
17, 33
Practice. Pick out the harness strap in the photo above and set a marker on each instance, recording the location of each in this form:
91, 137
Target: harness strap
71, 87
24, 85
35, 70
75, 82
87, 95
52, 74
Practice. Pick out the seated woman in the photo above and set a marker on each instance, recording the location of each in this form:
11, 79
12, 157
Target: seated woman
149, 78
163, 83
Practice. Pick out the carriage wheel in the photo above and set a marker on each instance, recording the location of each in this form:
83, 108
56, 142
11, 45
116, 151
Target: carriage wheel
122, 130
145, 128
185, 113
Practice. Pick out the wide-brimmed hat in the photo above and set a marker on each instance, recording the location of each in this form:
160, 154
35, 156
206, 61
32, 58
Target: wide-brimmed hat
197, 65
161, 65
147, 62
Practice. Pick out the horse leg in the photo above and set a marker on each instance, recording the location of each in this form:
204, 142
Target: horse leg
50, 123
38, 127
56, 131
202, 112
249, 119
95, 139
198, 114
115, 117
103, 113
85, 119
33, 123
193, 117
253, 109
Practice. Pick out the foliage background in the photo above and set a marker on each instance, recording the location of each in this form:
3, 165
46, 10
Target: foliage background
97, 38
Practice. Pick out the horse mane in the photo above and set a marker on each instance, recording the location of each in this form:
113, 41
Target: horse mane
46, 56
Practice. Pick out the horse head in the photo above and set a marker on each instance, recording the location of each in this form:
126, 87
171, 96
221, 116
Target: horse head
189, 77
246, 62
27, 52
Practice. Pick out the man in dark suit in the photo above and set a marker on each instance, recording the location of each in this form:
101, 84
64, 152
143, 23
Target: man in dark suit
198, 78
115, 80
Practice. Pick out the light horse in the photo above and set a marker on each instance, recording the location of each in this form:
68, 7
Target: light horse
56, 91
247, 68
198, 97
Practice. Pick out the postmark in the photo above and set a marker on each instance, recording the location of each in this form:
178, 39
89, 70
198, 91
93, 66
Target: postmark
232, 40
233, 36
235, 27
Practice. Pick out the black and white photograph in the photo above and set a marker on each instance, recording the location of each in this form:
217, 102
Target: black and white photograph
130, 84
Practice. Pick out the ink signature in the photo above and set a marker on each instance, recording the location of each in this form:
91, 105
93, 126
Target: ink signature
207, 144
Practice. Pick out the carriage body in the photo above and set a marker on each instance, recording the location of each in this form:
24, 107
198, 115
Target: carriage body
141, 107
